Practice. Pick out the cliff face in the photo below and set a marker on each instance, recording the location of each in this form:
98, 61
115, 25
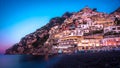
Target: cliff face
35, 43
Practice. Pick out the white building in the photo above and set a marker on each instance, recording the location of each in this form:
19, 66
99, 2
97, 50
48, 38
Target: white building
112, 28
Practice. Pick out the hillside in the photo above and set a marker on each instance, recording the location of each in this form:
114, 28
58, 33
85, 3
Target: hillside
85, 22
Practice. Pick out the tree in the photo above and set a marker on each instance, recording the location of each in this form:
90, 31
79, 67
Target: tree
94, 9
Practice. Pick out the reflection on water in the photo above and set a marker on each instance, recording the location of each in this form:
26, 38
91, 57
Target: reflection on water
26, 61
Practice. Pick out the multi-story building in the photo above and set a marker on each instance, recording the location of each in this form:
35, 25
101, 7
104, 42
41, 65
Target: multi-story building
88, 42
112, 29
111, 36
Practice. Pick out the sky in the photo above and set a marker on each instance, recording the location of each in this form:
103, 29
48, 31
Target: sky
21, 17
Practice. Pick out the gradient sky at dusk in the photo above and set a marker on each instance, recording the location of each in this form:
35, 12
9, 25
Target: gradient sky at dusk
21, 17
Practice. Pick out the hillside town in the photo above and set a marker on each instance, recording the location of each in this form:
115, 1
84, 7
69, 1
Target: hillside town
85, 30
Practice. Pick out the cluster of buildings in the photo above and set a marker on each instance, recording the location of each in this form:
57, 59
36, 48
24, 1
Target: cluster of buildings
112, 36
85, 30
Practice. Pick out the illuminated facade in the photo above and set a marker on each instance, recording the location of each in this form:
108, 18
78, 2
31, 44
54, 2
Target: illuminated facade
88, 42
114, 42
111, 36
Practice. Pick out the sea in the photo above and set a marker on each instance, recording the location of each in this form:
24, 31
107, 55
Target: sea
27, 61
109, 59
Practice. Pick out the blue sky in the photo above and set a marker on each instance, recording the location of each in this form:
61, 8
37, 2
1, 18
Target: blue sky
21, 17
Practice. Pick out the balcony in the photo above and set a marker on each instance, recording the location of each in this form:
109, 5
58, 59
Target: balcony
93, 32
111, 36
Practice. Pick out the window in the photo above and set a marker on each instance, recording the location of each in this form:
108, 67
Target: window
113, 28
118, 28
72, 26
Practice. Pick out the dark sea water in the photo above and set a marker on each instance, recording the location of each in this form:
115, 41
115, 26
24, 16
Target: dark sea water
26, 61
79, 60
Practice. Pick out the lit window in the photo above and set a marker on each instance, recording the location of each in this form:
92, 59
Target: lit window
97, 44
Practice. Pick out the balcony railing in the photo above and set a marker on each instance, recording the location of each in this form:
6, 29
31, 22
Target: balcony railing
111, 36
